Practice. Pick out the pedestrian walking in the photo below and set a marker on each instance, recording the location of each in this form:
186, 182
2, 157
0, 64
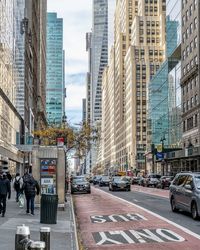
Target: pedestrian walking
9, 176
5, 191
30, 188
17, 185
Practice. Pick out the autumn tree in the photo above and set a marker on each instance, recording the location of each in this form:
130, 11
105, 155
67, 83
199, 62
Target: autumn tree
75, 138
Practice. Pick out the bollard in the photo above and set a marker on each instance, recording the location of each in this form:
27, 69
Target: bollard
22, 237
37, 245
45, 236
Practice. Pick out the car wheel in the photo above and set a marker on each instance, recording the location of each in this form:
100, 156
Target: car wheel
173, 205
194, 211
89, 192
72, 192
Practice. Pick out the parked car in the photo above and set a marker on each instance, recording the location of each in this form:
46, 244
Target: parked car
165, 182
185, 193
151, 180
80, 184
104, 181
136, 179
119, 183
96, 179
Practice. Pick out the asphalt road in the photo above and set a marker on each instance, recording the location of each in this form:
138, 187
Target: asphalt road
160, 206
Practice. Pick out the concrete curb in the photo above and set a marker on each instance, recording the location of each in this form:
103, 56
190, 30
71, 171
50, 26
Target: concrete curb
75, 225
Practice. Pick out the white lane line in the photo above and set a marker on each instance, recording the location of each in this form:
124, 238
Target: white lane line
156, 215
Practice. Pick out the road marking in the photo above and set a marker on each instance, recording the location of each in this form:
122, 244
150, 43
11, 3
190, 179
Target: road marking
117, 218
159, 235
156, 215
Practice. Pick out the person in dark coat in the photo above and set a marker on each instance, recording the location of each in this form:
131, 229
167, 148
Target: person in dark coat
5, 191
30, 188
9, 176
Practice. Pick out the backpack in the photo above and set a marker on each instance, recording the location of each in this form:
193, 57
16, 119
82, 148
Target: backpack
17, 184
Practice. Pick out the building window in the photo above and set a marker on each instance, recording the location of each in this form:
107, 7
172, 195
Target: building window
196, 120
191, 102
195, 23
190, 123
184, 126
195, 42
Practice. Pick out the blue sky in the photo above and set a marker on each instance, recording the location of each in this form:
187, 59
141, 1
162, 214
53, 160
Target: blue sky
77, 18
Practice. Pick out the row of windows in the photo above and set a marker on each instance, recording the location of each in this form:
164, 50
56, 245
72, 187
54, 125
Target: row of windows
190, 29
190, 103
189, 49
190, 123
151, 52
190, 65
184, 2
148, 40
190, 85
150, 23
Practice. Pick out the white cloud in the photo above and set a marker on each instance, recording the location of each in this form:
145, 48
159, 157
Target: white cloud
77, 20
74, 99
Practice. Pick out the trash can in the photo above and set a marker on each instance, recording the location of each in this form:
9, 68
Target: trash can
48, 208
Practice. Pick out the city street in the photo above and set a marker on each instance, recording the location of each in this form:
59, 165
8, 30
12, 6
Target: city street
140, 219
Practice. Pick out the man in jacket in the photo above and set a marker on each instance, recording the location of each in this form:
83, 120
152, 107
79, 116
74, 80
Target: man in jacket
30, 188
5, 191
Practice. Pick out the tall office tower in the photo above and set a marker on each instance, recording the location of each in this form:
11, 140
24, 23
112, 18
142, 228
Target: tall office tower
19, 7
10, 120
108, 115
55, 90
34, 28
144, 56
139, 43
99, 55
190, 71
88, 79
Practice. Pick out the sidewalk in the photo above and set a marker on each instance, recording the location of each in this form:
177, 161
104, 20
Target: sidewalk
62, 233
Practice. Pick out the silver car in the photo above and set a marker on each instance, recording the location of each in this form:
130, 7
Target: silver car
185, 193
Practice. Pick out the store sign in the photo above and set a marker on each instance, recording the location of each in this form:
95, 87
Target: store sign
160, 235
46, 181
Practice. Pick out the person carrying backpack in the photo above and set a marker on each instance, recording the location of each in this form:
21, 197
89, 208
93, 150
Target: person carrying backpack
17, 185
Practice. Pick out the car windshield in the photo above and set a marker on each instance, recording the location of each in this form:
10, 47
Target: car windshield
197, 181
105, 178
119, 178
79, 179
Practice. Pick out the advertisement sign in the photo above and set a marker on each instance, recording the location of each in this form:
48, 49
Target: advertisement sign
48, 176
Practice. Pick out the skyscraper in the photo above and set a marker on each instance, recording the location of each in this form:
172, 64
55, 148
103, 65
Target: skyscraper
139, 50
55, 89
99, 54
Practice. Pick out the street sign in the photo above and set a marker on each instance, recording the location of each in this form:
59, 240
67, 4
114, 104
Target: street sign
160, 156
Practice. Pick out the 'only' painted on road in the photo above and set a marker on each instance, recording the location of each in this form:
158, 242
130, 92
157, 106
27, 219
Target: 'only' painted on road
159, 235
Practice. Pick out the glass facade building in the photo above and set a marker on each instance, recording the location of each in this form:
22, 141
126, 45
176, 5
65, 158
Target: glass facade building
19, 6
55, 88
99, 54
164, 104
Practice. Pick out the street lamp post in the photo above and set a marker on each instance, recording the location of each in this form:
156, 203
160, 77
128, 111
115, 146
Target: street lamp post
163, 161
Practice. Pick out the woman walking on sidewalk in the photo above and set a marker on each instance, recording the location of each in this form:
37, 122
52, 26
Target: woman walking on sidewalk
5, 191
